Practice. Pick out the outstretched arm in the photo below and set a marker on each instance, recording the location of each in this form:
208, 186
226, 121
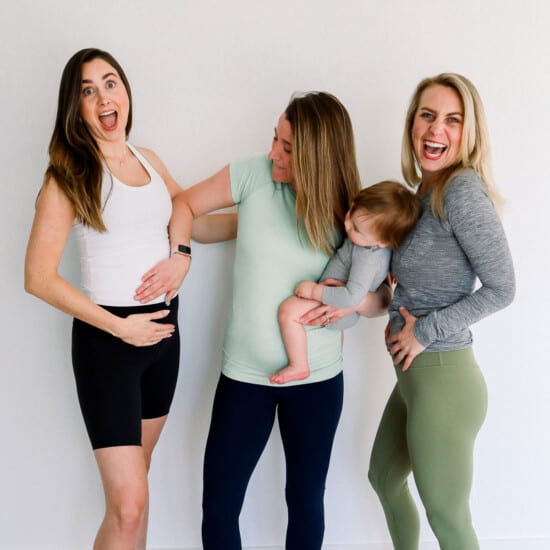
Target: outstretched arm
215, 228
209, 195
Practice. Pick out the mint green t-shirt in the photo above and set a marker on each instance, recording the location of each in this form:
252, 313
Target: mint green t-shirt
270, 260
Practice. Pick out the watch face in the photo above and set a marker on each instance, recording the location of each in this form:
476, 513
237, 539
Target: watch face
182, 249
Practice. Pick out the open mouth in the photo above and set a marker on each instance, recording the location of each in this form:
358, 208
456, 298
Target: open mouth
108, 120
433, 150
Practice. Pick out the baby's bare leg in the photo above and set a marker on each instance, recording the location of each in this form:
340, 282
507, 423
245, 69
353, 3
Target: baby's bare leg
294, 338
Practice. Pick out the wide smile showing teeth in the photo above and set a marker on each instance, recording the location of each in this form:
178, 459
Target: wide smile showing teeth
108, 119
433, 150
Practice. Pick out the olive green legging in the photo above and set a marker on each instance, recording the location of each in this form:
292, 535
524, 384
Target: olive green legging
429, 427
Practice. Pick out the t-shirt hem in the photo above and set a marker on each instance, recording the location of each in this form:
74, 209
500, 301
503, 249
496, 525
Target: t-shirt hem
319, 375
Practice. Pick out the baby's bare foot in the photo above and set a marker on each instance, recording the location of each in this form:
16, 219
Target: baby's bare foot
288, 374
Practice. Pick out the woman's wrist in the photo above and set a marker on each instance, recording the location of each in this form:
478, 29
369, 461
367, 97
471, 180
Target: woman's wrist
181, 250
181, 259
115, 326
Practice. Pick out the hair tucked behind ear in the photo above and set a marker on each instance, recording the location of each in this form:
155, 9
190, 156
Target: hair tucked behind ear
75, 159
474, 149
325, 169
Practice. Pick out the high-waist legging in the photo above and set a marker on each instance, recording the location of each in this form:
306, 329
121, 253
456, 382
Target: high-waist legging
429, 427
242, 419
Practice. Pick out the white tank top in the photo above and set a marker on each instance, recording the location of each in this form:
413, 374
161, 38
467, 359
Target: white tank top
136, 218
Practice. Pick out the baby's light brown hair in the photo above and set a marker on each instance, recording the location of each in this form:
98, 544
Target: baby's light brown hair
394, 208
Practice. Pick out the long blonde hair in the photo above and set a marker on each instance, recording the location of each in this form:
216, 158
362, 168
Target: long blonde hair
75, 159
325, 170
474, 148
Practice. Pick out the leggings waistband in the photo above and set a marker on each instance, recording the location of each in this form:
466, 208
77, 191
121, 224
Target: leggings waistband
441, 358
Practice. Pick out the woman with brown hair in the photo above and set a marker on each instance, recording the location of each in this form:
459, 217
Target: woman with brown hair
117, 200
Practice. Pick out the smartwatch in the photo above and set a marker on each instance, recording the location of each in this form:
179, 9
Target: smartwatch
182, 249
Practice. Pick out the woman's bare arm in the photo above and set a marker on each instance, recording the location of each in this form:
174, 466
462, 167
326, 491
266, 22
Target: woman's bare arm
215, 228
51, 227
209, 195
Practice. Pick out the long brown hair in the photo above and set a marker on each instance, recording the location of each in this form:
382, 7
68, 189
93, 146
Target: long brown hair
474, 152
75, 158
325, 169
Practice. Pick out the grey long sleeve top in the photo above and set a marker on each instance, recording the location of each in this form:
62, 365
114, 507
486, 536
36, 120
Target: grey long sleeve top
437, 265
362, 269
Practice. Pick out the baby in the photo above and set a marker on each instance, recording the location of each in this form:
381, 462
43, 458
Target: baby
379, 219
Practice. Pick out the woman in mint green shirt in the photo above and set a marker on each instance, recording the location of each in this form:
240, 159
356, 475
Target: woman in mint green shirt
291, 209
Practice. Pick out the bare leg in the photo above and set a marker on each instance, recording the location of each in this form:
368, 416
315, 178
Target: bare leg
150, 433
124, 475
295, 339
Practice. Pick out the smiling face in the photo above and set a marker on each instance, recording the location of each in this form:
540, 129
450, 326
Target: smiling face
281, 152
361, 228
104, 103
437, 130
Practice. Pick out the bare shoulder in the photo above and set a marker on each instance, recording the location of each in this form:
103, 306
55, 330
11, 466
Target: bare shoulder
173, 187
152, 157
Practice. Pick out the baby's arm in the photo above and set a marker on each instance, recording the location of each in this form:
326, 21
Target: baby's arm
374, 304
310, 290
369, 267
336, 273
306, 288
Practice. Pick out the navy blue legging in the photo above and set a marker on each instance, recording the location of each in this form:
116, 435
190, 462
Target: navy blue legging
242, 418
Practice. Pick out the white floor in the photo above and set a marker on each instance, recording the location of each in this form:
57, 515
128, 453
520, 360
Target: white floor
485, 545
517, 544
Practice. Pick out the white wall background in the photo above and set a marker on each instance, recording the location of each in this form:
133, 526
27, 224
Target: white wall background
209, 81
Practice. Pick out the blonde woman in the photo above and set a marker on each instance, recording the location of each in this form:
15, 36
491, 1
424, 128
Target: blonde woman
439, 403
291, 209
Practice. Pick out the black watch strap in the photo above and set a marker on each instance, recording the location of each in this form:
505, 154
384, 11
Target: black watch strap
182, 249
